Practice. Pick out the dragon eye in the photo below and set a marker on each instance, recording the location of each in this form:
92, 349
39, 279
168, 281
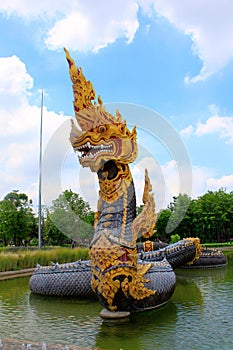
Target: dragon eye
102, 128
122, 128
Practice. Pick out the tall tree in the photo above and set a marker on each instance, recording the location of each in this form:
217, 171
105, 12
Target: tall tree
179, 220
161, 225
216, 215
69, 218
8, 222
17, 220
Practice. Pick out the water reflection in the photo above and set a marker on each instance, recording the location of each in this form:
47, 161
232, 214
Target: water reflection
198, 316
69, 321
187, 291
142, 328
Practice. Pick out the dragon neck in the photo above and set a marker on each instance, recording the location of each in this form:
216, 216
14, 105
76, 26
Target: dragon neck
114, 180
117, 203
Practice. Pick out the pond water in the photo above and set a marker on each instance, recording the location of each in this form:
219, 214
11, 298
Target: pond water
199, 316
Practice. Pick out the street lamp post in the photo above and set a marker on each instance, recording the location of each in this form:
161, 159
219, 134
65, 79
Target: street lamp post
40, 174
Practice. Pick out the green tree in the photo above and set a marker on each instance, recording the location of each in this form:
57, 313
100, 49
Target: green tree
8, 221
215, 215
161, 224
175, 238
17, 220
210, 217
69, 219
179, 222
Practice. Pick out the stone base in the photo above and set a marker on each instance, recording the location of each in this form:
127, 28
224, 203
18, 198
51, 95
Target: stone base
109, 315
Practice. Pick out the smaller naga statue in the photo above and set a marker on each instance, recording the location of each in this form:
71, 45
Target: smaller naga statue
121, 281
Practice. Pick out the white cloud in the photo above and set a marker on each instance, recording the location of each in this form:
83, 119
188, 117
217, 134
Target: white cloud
80, 25
165, 179
225, 181
80, 180
92, 25
201, 175
85, 30
210, 25
31, 10
15, 83
187, 131
204, 180
213, 108
219, 125
20, 121
73, 31
156, 177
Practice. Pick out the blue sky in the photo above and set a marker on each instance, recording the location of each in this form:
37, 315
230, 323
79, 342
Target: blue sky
167, 65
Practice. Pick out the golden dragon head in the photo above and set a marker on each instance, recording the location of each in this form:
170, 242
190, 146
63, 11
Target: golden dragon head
102, 136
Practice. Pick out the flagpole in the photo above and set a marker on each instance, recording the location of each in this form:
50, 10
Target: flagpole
40, 175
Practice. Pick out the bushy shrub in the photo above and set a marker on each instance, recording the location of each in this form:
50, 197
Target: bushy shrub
175, 238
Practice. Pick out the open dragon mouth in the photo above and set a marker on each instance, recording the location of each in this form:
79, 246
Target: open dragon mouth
89, 151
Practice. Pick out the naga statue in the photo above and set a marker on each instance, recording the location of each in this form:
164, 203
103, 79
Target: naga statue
107, 147
123, 279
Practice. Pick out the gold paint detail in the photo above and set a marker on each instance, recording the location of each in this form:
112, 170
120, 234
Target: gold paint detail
97, 213
144, 223
111, 190
108, 216
87, 114
109, 261
103, 143
83, 89
96, 218
147, 188
125, 204
196, 241
148, 246
102, 135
